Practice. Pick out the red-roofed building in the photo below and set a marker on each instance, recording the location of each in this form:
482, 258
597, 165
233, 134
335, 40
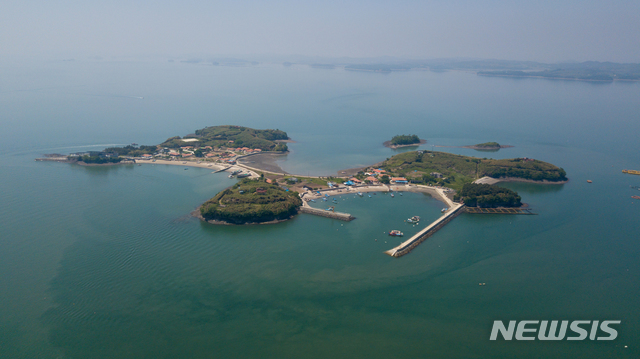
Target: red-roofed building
371, 179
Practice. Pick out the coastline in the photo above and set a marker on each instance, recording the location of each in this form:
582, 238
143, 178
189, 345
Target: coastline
196, 213
439, 193
389, 145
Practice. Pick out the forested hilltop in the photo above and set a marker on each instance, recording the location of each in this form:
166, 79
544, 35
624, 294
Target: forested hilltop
431, 167
405, 140
487, 196
231, 136
251, 201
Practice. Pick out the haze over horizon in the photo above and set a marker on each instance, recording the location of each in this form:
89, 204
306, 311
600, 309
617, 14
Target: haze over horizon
544, 31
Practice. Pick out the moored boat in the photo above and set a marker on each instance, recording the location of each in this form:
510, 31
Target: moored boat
396, 233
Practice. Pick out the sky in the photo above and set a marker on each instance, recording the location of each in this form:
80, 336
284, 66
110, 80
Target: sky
541, 30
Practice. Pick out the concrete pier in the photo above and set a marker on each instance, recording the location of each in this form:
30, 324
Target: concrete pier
306, 208
406, 246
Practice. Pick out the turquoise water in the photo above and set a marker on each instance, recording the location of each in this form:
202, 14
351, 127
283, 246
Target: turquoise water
107, 263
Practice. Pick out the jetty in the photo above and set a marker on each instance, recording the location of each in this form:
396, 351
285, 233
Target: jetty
306, 208
499, 210
406, 246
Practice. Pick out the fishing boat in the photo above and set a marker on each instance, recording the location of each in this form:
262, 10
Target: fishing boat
414, 219
392, 195
243, 175
360, 194
324, 199
236, 172
396, 233
444, 209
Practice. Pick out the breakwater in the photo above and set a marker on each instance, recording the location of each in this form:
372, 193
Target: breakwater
323, 213
406, 246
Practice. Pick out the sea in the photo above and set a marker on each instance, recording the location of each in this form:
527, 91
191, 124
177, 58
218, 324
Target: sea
106, 262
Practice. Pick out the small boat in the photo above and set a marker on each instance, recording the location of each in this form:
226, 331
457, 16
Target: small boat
400, 193
444, 209
230, 176
313, 200
396, 233
324, 199
360, 194
369, 195
243, 175
414, 219
589, 181
635, 197
392, 195
186, 169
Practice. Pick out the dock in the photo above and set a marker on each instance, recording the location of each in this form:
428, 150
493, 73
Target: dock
406, 246
224, 169
499, 210
631, 172
306, 208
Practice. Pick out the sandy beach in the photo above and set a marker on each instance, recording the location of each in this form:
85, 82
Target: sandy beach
212, 166
264, 162
491, 180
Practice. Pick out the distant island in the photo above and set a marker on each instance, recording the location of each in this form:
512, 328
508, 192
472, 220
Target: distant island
583, 71
487, 146
251, 201
404, 141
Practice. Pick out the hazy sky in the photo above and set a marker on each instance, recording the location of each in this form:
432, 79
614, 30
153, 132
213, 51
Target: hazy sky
547, 31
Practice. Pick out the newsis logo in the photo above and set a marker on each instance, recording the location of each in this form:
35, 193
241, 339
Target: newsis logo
549, 330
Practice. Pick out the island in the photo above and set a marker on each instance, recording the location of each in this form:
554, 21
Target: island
404, 141
251, 201
487, 196
221, 144
487, 146
446, 169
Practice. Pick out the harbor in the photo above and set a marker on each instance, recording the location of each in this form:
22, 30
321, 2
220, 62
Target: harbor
408, 245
